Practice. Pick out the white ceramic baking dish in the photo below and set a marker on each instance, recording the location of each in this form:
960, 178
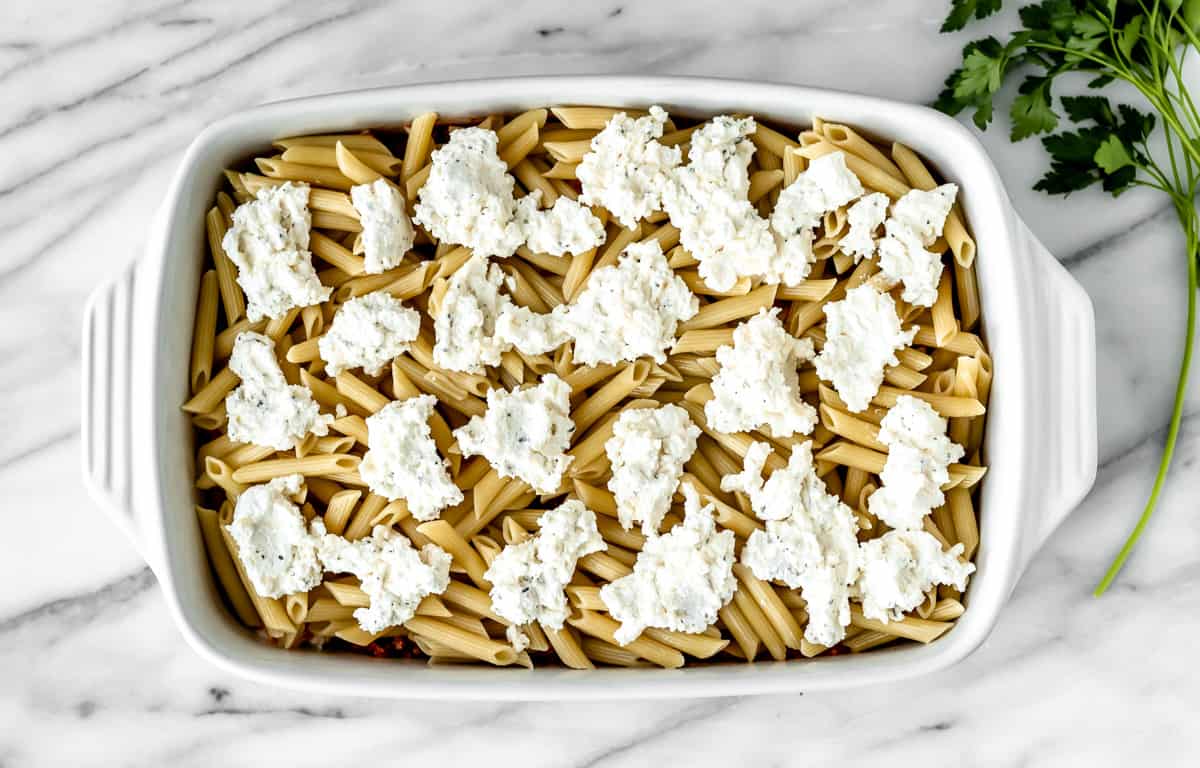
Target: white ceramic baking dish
138, 447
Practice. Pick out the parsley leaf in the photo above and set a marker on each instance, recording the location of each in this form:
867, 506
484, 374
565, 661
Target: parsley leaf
1080, 108
1031, 111
961, 12
1111, 156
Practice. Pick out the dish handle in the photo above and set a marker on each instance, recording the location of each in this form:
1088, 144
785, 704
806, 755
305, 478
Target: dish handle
1066, 352
106, 416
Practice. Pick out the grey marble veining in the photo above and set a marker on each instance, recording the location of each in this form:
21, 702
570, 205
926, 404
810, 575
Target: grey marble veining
97, 101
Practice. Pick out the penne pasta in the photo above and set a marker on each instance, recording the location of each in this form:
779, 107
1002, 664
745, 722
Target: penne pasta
946, 365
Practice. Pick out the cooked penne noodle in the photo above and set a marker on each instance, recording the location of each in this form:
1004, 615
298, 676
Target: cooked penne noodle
758, 622
359, 141
361, 393
921, 630
855, 430
945, 324
871, 175
317, 175
443, 534
612, 392
320, 464
419, 146
519, 148
590, 118
697, 285
226, 569
948, 406
731, 309
602, 627
335, 254
204, 333
462, 640
807, 290
772, 607
847, 139
741, 630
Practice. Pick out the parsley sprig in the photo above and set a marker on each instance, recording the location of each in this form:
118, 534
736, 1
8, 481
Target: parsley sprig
1139, 42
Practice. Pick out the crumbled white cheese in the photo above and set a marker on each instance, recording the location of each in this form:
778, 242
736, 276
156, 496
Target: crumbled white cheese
826, 185
528, 331
268, 243
265, 409
387, 232
862, 334
468, 197
476, 324
276, 552
630, 310
524, 434
707, 202
395, 575
647, 451
899, 567
566, 228
864, 218
516, 638
627, 170
903, 259
810, 542
917, 220
367, 332
924, 212
528, 579
919, 453
403, 460
758, 384
719, 153
680, 580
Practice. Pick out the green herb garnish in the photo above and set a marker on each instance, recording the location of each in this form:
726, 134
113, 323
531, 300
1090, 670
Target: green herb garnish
1141, 43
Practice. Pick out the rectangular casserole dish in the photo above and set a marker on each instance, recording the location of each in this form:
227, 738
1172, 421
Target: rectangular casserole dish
137, 445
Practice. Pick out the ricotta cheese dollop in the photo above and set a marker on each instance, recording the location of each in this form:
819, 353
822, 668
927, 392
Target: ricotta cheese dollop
810, 542
387, 232
864, 218
529, 579
276, 552
565, 228
647, 450
826, 185
627, 170
630, 310
917, 220
395, 575
475, 323
680, 579
524, 434
708, 202
919, 453
368, 332
758, 384
862, 336
468, 197
403, 462
264, 409
268, 243
900, 567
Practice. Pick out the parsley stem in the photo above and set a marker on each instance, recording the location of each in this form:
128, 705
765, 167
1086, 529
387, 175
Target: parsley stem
1188, 217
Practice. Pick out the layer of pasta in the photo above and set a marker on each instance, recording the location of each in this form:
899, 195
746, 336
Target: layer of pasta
589, 387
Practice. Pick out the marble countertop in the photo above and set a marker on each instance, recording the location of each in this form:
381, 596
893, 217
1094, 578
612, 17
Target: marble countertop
97, 102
